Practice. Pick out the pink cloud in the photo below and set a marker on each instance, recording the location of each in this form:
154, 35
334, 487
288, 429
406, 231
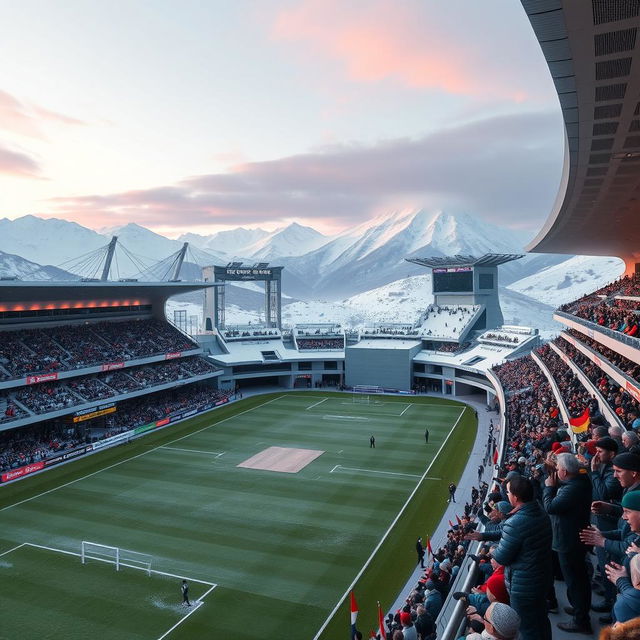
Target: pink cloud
15, 163
399, 42
27, 118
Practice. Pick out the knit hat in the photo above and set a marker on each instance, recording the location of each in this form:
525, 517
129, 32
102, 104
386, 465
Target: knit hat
590, 446
631, 500
504, 620
627, 461
503, 507
608, 444
496, 585
405, 618
555, 446
560, 450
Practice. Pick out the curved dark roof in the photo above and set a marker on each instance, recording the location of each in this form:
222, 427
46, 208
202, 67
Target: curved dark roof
592, 49
15, 291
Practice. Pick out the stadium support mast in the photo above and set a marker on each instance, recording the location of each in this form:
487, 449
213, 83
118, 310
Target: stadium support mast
178, 264
111, 249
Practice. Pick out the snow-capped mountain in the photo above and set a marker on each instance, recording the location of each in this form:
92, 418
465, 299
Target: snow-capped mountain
12, 266
293, 240
373, 254
569, 280
47, 240
231, 242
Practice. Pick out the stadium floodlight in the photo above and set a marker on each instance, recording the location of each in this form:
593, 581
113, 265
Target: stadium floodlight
116, 556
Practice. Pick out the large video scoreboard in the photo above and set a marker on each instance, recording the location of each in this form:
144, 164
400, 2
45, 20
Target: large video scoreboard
453, 279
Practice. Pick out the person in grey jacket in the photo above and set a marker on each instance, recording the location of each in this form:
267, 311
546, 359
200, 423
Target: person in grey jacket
525, 552
567, 499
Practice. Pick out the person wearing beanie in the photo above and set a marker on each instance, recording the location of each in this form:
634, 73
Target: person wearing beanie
493, 522
614, 542
606, 490
567, 500
408, 629
501, 622
626, 469
432, 599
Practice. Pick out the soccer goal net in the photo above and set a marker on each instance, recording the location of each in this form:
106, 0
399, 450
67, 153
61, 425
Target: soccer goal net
362, 394
115, 555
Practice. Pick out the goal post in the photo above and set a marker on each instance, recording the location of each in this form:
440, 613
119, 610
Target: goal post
115, 555
362, 394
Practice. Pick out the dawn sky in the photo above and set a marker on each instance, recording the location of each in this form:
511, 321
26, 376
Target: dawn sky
194, 116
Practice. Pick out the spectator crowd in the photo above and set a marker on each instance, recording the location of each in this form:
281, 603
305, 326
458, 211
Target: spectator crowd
65, 348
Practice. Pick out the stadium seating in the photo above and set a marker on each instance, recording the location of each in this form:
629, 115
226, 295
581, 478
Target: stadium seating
32, 351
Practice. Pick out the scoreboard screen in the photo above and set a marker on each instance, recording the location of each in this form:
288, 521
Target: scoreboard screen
458, 279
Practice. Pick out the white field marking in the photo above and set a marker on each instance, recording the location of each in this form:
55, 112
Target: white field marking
341, 450
4, 553
144, 453
405, 410
387, 532
217, 454
199, 603
124, 564
386, 473
315, 404
331, 417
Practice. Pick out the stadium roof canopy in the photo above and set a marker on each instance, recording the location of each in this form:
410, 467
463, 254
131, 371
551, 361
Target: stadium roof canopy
46, 291
593, 52
487, 260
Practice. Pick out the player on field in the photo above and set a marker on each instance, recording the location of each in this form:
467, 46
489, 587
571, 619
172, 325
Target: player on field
185, 593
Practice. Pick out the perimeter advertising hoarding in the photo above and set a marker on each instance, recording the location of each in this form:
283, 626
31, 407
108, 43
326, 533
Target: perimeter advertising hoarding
21, 471
43, 377
94, 412
111, 366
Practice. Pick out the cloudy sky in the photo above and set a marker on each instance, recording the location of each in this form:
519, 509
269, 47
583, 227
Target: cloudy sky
197, 116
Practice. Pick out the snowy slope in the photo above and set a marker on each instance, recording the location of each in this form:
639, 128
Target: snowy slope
47, 241
231, 242
293, 240
570, 279
12, 265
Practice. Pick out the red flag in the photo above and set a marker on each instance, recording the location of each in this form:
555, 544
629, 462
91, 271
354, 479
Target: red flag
495, 455
354, 613
373, 634
458, 519
450, 524
429, 549
383, 633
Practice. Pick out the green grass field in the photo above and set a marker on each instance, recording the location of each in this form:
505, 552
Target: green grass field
280, 548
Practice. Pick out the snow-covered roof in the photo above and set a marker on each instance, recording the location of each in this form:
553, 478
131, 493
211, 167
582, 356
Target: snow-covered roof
487, 260
252, 351
386, 343
480, 357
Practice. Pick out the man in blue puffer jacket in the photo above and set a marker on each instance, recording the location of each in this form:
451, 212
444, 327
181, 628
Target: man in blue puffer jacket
525, 552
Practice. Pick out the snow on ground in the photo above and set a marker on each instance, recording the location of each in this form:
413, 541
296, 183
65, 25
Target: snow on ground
570, 279
401, 301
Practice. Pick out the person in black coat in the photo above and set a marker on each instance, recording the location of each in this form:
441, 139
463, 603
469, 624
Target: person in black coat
567, 499
420, 552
